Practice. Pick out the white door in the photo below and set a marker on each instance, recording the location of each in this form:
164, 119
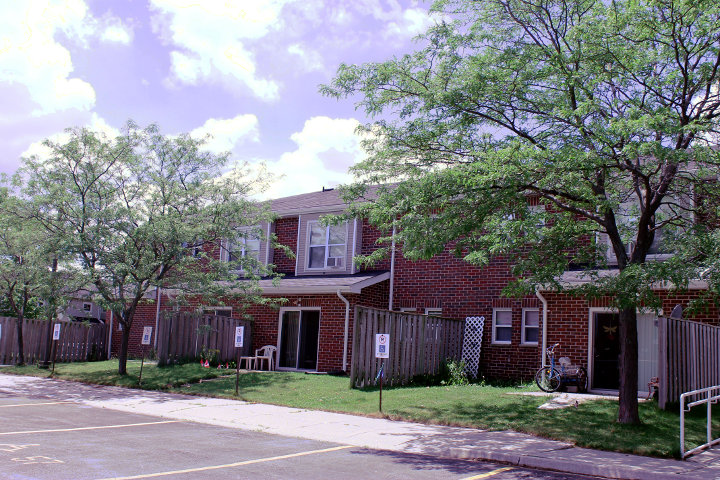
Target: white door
647, 349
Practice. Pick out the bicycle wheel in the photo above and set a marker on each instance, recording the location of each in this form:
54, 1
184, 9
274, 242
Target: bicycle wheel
548, 379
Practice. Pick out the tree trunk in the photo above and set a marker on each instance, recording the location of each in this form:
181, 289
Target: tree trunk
123, 354
628, 401
21, 349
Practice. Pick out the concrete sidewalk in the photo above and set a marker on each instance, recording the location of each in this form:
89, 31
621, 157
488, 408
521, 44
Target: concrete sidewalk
447, 442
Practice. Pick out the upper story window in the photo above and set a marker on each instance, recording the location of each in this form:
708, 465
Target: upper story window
627, 218
244, 246
195, 249
327, 245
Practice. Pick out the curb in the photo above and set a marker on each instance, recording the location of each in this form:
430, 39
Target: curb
575, 467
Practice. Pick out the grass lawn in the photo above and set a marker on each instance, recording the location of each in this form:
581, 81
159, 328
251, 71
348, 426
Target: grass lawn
591, 424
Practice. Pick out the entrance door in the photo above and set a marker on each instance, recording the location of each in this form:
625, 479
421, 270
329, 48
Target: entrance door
299, 339
606, 351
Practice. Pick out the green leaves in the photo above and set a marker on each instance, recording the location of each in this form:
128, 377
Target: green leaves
582, 108
145, 210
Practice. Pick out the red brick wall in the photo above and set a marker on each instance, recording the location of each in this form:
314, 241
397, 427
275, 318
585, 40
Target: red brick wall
144, 317
266, 322
286, 230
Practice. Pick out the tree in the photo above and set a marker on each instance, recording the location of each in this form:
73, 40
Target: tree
604, 112
24, 265
144, 211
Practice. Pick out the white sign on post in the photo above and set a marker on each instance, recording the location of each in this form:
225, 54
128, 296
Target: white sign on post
56, 332
382, 345
147, 333
239, 336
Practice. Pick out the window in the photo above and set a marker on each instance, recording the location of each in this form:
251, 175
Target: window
220, 312
435, 312
87, 306
194, 249
530, 326
245, 245
408, 309
502, 326
326, 245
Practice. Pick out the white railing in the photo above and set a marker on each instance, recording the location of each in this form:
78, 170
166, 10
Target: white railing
708, 396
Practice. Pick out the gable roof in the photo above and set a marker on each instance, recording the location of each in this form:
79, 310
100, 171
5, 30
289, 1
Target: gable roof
327, 200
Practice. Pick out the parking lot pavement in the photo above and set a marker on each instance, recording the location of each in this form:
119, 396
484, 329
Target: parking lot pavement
61, 440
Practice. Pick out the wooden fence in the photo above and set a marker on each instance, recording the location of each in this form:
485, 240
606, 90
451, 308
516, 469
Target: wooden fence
182, 336
79, 342
689, 358
418, 345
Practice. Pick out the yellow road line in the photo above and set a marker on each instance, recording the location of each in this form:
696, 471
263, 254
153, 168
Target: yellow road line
33, 404
230, 465
488, 474
77, 429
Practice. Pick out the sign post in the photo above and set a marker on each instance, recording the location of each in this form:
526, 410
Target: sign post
239, 341
147, 333
382, 350
56, 338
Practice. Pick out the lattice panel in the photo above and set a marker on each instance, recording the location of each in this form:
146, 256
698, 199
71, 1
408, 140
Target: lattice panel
471, 344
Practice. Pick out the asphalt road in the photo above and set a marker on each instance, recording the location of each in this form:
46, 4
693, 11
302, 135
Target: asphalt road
48, 440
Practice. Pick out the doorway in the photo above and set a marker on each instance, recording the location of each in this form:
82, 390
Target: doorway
298, 345
606, 350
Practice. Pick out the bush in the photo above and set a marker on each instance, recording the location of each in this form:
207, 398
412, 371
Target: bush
210, 355
455, 373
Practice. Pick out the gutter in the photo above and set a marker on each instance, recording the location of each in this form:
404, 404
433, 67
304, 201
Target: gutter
347, 326
544, 328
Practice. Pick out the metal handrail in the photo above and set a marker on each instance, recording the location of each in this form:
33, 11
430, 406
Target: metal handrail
712, 396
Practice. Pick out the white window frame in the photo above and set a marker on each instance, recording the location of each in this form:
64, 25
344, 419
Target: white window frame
327, 246
216, 310
495, 326
434, 311
241, 240
523, 341
408, 310
87, 307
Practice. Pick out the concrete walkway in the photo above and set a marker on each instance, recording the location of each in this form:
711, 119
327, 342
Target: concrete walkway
447, 442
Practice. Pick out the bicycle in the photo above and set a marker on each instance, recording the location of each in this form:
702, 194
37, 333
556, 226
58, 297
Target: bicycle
550, 379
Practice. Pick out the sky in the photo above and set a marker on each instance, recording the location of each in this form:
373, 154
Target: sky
245, 71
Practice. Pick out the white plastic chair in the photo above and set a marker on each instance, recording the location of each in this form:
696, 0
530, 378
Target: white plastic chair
265, 353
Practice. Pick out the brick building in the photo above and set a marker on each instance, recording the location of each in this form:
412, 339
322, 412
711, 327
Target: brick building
313, 329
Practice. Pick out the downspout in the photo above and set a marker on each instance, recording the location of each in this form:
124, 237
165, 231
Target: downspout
157, 316
544, 328
110, 339
347, 327
352, 266
392, 270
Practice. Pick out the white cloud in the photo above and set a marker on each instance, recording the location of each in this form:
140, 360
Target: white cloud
211, 38
226, 134
29, 54
115, 32
409, 23
95, 123
310, 59
326, 147
400, 22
